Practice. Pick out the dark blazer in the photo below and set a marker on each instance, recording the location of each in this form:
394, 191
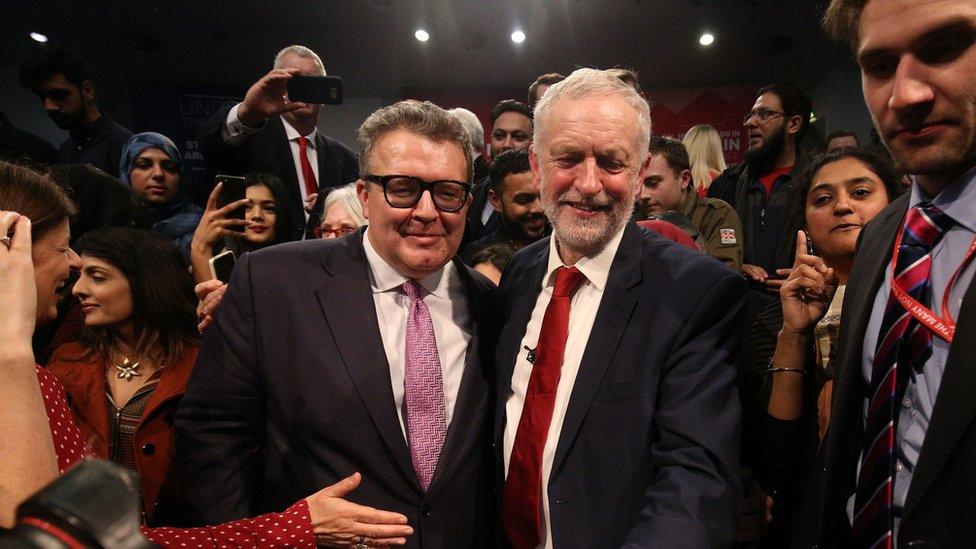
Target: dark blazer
648, 454
292, 393
939, 509
268, 151
474, 229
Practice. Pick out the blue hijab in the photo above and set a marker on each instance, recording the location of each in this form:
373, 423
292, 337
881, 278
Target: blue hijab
179, 218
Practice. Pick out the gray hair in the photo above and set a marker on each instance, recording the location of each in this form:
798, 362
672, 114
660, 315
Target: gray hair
586, 83
424, 119
345, 196
300, 51
476, 132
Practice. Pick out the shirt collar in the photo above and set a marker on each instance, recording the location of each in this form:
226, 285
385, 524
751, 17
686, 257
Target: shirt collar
596, 267
958, 200
383, 277
292, 134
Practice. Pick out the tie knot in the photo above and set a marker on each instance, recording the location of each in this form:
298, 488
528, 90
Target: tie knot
413, 289
568, 280
302, 141
926, 223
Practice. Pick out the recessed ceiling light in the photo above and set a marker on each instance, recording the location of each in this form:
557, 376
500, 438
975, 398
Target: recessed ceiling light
422, 35
518, 37
38, 37
706, 39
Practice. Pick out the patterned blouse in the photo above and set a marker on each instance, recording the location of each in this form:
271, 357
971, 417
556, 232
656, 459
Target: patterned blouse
291, 528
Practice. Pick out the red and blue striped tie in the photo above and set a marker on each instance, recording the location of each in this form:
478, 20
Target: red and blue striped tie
904, 345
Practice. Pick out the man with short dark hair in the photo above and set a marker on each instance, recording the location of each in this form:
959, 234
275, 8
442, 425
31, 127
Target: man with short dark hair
360, 362
511, 128
758, 188
514, 194
841, 139
897, 459
667, 188
60, 79
541, 84
268, 133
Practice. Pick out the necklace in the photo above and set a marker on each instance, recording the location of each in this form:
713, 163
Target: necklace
128, 370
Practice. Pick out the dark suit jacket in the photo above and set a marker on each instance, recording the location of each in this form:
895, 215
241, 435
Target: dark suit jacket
474, 229
940, 508
648, 454
292, 393
268, 151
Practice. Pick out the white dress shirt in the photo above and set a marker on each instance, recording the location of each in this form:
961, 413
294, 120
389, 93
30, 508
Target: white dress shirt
582, 312
235, 132
448, 304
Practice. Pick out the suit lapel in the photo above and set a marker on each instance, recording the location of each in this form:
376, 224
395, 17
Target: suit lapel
276, 128
347, 303
472, 394
616, 307
955, 407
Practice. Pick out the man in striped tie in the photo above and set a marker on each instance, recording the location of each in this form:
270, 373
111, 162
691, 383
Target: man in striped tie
900, 452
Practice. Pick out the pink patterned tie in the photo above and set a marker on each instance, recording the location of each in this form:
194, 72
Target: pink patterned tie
424, 388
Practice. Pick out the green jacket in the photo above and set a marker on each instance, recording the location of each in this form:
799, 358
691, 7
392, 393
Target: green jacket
718, 226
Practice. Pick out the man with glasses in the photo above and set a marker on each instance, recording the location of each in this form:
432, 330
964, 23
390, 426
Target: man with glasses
758, 188
359, 363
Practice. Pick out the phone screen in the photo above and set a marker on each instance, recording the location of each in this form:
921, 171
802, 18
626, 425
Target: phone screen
315, 89
222, 265
232, 191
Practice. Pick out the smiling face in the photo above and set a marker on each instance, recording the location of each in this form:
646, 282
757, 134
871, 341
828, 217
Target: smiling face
261, 213
918, 67
155, 177
588, 165
520, 207
843, 196
104, 293
53, 261
419, 240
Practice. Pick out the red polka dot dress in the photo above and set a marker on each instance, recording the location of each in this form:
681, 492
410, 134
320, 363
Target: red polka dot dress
292, 528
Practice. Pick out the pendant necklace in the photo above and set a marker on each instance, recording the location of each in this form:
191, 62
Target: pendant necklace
128, 370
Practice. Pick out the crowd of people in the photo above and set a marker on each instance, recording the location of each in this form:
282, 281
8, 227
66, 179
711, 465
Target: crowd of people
573, 333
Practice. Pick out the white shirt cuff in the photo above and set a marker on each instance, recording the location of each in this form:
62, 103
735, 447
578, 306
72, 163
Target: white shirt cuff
234, 131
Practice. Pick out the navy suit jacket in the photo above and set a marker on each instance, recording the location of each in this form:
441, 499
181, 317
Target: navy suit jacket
648, 453
940, 508
268, 151
291, 393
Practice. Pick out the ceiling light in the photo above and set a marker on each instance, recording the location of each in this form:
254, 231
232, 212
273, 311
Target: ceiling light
706, 39
422, 35
518, 37
38, 37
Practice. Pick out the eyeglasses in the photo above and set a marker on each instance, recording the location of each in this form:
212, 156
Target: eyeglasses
321, 232
403, 191
762, 115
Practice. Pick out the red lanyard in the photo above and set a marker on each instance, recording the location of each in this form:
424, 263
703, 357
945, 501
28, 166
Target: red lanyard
943, 326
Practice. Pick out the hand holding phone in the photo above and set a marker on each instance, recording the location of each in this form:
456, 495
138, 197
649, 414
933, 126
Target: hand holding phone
222, 265
232, 190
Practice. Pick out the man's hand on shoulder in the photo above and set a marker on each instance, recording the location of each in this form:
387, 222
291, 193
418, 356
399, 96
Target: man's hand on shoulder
268, 97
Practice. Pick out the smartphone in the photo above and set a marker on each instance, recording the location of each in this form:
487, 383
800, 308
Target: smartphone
232, 191
315, 89
222, 265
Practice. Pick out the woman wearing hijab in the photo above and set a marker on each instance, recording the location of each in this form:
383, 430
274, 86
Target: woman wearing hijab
152, 166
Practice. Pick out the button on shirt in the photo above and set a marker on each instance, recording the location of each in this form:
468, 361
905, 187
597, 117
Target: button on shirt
235, 132
448, 304
582, 312
958, 202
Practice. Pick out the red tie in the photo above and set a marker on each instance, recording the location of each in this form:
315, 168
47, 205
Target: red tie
311, 185
521, 503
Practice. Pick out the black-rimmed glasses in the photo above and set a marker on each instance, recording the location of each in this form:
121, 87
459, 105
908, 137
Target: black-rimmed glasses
762, 115
404, 191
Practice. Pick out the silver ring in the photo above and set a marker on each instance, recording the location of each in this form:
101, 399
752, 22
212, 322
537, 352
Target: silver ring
5, 240
362, 543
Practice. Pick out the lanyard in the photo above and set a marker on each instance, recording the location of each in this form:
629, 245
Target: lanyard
943, 326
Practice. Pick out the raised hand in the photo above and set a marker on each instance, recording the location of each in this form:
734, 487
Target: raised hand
213, 225
807, 292
268, 97
18, 292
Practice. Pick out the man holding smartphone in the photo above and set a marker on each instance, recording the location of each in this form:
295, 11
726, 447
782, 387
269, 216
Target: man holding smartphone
268, 133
